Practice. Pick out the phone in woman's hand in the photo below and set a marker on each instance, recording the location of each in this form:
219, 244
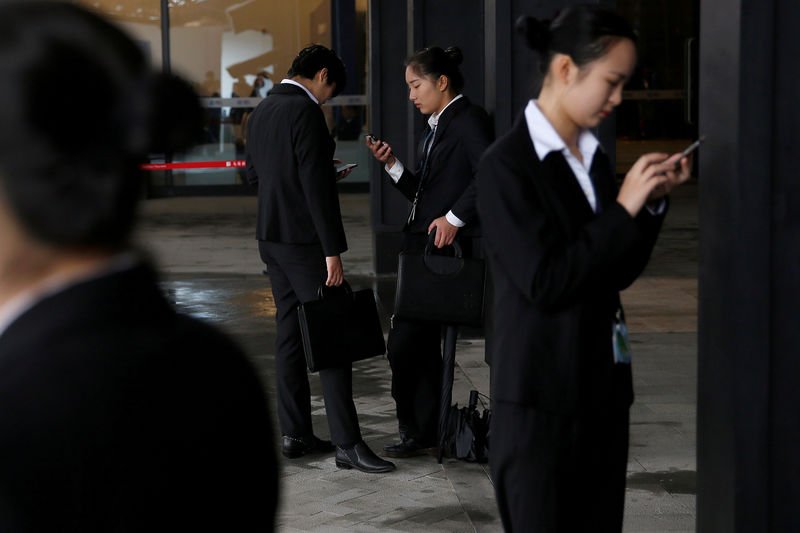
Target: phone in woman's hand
372, 138
689, 149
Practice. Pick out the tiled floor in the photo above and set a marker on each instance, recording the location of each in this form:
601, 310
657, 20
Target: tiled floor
206, 250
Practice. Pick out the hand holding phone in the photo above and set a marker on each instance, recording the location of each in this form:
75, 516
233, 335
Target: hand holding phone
380, 149
373, 139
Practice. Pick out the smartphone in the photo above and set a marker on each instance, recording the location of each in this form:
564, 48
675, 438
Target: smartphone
345, 166
689, 149
374, 139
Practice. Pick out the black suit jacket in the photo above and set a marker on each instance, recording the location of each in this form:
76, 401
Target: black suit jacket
462, 135
120, 415
290, 158
558, 268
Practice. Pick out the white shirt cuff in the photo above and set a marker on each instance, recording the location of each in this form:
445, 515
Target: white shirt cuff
396, 172
659, 209
454, 220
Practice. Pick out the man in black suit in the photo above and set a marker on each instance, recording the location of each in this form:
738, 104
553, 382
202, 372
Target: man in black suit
301, 237
117, 414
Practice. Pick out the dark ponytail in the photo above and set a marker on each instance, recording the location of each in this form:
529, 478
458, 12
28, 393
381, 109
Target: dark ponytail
69, 155
434, 62
584, 33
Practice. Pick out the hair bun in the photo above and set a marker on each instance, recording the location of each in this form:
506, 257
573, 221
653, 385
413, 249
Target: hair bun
535, 31
454, 54
177, 118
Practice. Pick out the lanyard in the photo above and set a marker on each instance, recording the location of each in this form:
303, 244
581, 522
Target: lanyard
426, 148
598, 204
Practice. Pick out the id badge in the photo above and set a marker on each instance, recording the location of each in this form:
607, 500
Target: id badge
619, 339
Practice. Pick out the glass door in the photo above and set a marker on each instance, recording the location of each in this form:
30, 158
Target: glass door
659, 107
235, 51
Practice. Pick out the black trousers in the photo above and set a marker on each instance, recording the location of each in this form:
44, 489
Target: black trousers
296, 271
414, 350
556, 473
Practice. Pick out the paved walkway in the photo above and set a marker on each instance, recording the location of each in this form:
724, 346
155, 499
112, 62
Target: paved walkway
206, 252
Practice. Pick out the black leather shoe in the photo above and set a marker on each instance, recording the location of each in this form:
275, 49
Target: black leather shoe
362, 458
294, 447
408, 448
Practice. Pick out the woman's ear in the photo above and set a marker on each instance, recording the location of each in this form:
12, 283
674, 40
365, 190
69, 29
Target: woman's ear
563, 68
443, 83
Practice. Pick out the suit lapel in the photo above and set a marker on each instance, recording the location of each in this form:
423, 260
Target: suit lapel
447, 117
444, 121
560, 177
554, 173
603, 179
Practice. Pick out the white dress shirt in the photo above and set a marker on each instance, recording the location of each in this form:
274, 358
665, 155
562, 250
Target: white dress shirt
396, 172
292, 82
546, 139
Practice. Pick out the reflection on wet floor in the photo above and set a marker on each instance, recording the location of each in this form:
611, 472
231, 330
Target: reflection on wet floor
672, 481
221, 300
243, 305
205, 246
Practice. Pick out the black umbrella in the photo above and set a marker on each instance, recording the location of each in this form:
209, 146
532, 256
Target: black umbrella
468, 431
448, 367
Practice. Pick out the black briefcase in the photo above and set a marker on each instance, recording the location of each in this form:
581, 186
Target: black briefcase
439, 288
340, 327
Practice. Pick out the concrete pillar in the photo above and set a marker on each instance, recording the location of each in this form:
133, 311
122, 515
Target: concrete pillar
748, 426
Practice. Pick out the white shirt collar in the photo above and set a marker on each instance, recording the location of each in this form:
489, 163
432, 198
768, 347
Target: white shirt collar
292, 82
26, 300
433, 120
546, 139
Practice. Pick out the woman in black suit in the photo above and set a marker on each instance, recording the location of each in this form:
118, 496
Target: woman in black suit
442, 195
562, 242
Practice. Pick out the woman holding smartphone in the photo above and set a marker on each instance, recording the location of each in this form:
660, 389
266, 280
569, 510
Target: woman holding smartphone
442, 194
562, 242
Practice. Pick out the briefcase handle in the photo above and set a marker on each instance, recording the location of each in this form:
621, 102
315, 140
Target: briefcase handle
442, 265
344, 286
431, 240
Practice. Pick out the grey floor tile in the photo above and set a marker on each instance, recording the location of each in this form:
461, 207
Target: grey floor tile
205, 246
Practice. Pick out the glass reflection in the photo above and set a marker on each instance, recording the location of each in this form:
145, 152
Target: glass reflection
233, 51
140, 18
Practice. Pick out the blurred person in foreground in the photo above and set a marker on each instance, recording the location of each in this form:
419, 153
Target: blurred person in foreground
118, 414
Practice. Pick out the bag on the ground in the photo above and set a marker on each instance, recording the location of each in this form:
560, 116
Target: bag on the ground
340, 327
467, 435
439, 288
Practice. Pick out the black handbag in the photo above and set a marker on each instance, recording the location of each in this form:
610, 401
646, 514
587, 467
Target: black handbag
439, 288
340, 327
